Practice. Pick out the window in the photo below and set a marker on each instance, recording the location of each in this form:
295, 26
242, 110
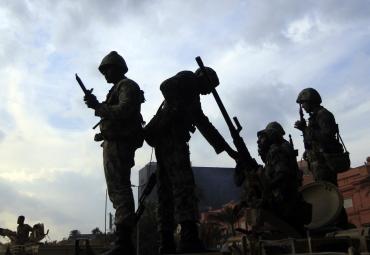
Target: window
347, 203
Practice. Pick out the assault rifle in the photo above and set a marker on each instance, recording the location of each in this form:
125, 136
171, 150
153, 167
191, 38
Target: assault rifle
306, 146
244, 156
87, 92
146, 192
292, 144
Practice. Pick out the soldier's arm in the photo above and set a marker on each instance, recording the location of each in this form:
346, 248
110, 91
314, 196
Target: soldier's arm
327, 127
29, 228
129, 97
210, 133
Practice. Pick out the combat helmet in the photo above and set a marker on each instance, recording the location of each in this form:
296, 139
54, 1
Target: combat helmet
276, 125
309, 95
211, 74
273, 134
113, 58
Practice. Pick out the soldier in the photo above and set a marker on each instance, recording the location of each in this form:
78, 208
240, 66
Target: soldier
121, 131
320, 137
288, 146
323, 151
23, 231
280, 181
169, 132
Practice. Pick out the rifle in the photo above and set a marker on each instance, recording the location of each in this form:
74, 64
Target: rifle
306, 146
245, 157
87, 92
146, 192
292, 144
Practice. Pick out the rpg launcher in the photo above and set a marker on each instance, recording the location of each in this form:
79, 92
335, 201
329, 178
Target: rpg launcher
245, 159
87, 92
146, 192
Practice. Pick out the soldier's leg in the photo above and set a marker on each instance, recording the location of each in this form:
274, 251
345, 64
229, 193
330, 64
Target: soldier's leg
166, 223
118, 158
186, 201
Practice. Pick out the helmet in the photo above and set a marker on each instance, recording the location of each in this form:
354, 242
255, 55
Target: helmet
273, 134
113, 58
309, 95
211, 74
276, 125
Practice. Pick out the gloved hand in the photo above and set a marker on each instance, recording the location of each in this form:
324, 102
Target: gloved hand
301, 125
91, 101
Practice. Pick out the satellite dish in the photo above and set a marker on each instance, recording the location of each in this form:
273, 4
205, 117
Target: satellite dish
326, 201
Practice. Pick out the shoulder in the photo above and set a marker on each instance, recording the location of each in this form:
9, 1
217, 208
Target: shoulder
325, 115
286, 146
128, 85
323, 112
277, 152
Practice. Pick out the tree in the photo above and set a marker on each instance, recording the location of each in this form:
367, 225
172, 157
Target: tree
74, 233
96, 231
227, 216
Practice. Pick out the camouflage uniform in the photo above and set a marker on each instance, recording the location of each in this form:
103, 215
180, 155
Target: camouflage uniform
319, 138
122, 133
323, 151
121, 129
180, 114
288, 148
281, 183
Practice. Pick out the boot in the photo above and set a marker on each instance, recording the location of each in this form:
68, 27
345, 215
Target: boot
166, 243
123, 244
189, 239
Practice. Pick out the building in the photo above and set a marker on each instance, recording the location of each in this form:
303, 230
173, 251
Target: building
216, 189
354, 185
215, 185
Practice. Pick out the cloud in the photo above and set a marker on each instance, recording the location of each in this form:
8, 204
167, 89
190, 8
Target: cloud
264, 52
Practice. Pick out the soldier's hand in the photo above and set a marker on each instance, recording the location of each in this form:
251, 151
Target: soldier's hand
301, 125
91, 101
98, 137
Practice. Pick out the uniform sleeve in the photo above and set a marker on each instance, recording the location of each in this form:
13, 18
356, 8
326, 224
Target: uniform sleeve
128, 103
210, 133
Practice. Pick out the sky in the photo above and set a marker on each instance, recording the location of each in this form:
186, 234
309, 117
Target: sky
265, 52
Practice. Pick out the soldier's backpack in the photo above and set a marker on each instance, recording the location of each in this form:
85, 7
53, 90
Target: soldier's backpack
338, 162
153, 128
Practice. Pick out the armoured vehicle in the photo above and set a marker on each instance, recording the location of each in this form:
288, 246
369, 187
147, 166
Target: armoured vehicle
322, 235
